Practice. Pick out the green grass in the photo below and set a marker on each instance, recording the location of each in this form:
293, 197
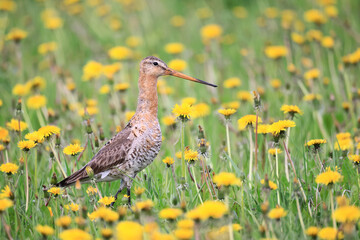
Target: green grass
86, 37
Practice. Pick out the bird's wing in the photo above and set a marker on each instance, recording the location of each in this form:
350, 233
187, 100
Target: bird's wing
111, 154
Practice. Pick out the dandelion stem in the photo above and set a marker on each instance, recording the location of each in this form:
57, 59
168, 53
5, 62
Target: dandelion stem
57, 159
286, 158
228, 142
251, 156
6, 227
277, 175
231, 233
193, 177
27, 184
332, 207
256, 139
300, 215
174, 176
206, 179
40, 118
183, 167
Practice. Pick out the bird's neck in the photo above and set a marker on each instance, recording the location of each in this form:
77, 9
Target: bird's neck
148, 99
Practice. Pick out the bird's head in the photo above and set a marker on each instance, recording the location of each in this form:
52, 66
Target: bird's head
156, 67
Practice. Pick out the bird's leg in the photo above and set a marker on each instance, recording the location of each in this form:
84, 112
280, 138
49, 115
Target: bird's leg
122, 185
128, 193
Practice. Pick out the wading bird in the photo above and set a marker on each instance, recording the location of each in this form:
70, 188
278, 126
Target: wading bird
137, 145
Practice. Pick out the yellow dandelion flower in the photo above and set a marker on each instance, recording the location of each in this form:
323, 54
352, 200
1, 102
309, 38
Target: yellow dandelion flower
133, 41
55, 191
92, 70
272, 185
273, 151
15, 125
6, 192
312, 97
297, 38
49, 130
53, 23
169, 120
174, 48
36, 83
91, 190
184, 233
291, 109
183, 111
331, 11
63, 221
185, 223
168, 161
75, 234
121, 87
227, 112
354, 158
315, 142
204, 12
91, 111
36, 102
73, 207
275, 83
247, 120
47, 47
200, 110
26, 145
178, 64
277, 213
105, 89
106, 233
45, 230
314, 35
211, 31
107, 200
9, 168
276, 52
329, 233
191, 155
110, 70
240, 12
328, 42
234, 105
5, 204
232, 82
129, 115
328, 177
178, 155
106, 214
280, 126
170, 213
139, 190
213, 209
3, 134
346, 214
129, 230
312, 74
188, 101
226, 179
312, 231
120, 53
20, 90
244, 96
263, 129
177, 21
314, 16
16, 35
73, 149
7, 5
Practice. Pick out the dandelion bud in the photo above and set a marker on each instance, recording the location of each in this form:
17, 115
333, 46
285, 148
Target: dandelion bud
123, 105
84, 212
112, 110
21, 160
174, 200
89, 171
78, 184
264, 207
102, 136
51, 155
18, 106
57, 141
183, 205
88, 127
53, 179
203, 147
96, 141
121, 211
201, 133
257, 101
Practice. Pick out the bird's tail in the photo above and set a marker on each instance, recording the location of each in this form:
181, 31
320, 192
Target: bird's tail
80, 175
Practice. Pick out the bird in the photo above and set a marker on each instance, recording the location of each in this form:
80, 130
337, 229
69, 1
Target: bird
138, 143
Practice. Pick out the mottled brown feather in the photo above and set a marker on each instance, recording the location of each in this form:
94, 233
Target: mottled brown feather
111, 154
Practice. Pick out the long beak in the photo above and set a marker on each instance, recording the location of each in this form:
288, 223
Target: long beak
172, 72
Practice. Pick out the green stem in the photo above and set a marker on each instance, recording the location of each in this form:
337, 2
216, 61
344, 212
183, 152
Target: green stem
231, 233
251, 156
277, 175
196, 186
228, 143
57, 159
300, 216
27, 184
286, 158
35, 180
183, 165
40, 118
332, 207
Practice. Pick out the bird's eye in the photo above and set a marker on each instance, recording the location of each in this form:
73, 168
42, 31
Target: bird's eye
155, 63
